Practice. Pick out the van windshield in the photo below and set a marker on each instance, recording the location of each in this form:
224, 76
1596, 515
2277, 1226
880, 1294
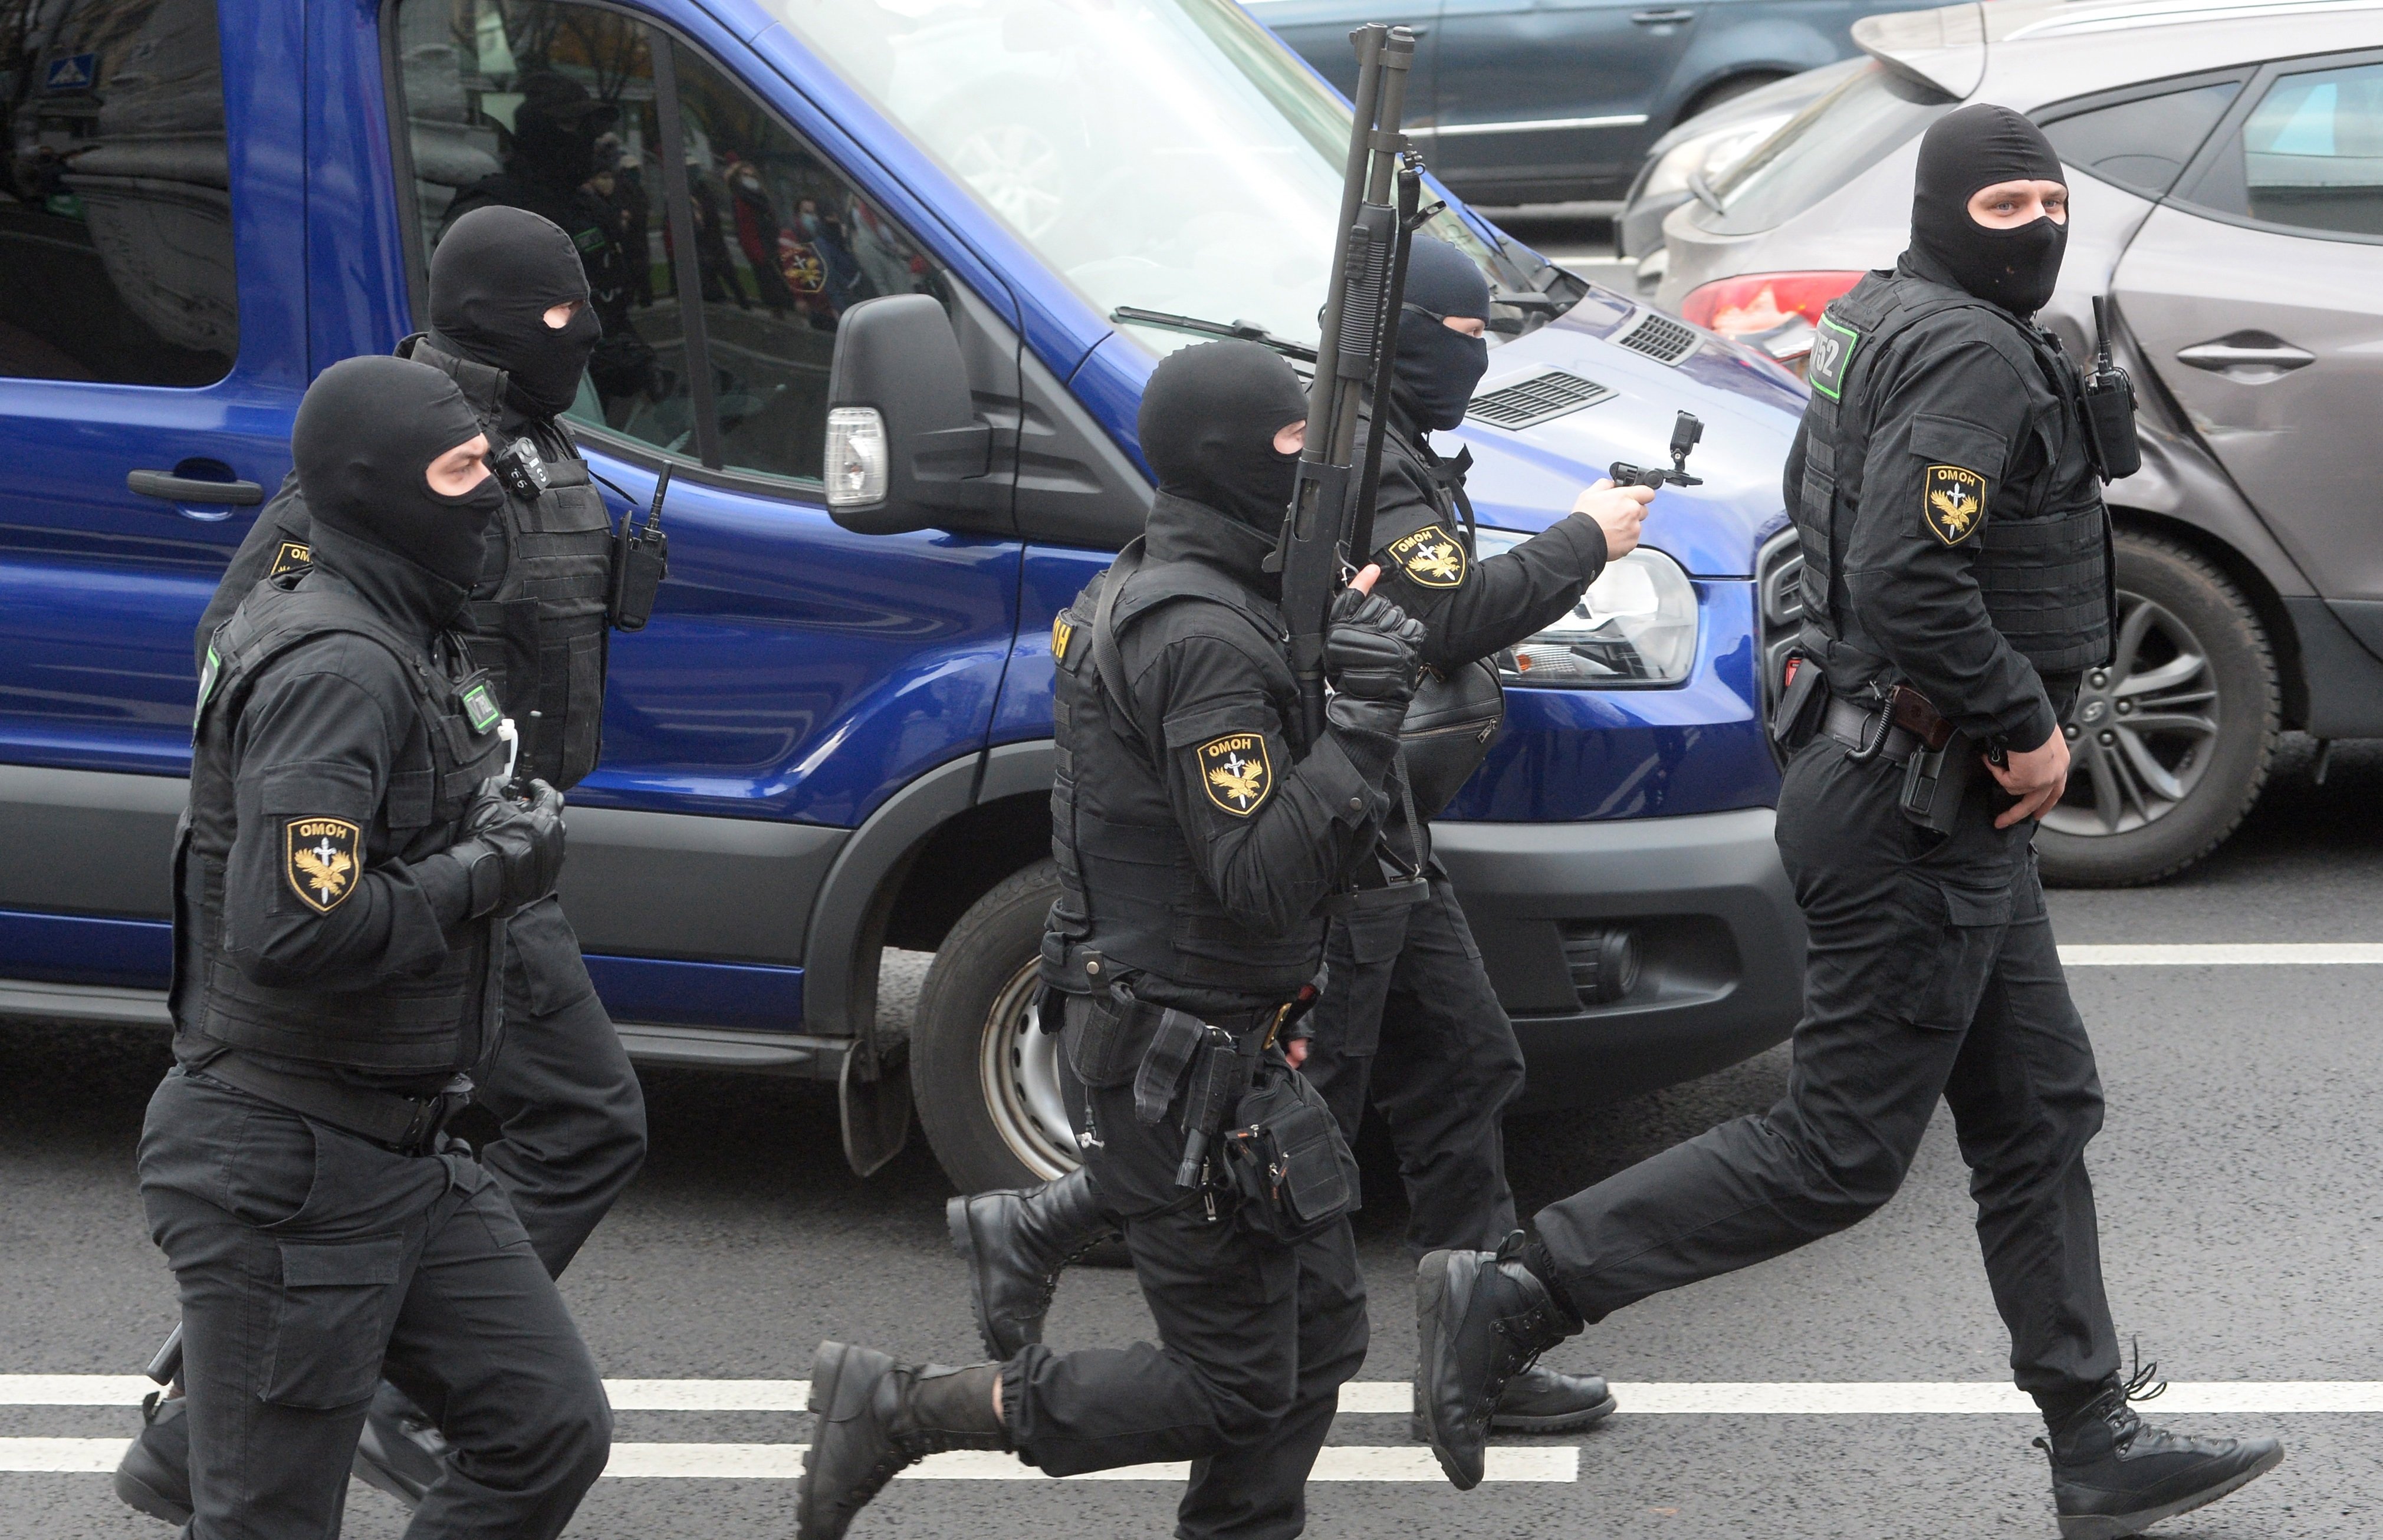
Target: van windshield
1167, 154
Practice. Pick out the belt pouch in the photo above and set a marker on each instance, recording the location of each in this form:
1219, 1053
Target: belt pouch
1796, 717
1102, 1045
1935, 780
1170, 1052
1285, 1159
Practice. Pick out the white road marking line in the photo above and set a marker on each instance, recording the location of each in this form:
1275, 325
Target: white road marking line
784, 1462
1384, 1398
2225, 954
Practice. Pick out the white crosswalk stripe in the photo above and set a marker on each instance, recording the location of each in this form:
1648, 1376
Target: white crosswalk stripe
2226, 954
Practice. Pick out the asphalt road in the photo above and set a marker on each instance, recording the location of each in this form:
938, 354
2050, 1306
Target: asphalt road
2240, 1219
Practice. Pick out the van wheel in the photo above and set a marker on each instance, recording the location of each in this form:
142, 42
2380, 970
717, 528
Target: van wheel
985, 1075
2171, 744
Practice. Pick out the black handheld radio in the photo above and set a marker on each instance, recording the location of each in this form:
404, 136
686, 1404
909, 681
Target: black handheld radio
641, 562
2110, 406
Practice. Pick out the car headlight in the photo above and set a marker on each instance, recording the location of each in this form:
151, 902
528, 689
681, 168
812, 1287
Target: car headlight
1634, 629
1712, 153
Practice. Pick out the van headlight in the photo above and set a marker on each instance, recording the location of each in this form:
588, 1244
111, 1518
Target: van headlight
1634, 629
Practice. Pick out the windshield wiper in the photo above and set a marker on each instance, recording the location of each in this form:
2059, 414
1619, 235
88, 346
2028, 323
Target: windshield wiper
1247, 331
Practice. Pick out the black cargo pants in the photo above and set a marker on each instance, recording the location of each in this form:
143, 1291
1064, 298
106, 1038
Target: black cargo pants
561, 1089
1933, 973
1409, 1014
1256, 1339
310, 1264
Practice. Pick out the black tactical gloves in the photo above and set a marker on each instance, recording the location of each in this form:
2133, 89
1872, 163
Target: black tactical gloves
512, 854
1371, 652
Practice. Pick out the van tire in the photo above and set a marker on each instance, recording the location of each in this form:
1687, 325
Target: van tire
2197, 604
983, 1076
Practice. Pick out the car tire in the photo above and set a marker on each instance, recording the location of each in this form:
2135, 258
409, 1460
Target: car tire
1723, 90
983, 1073
2145, 802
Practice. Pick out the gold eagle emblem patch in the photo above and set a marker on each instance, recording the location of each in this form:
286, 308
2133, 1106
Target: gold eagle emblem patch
1430, 558
1235, 772
1953, 502
322, 861
290, 556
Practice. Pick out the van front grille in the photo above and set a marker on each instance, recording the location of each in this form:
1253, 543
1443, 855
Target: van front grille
1535, 399
1659, 337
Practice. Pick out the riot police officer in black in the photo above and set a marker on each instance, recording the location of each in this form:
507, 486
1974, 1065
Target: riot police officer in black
511, 329
1409, 1014
344, 873
1198, 840
1956, 582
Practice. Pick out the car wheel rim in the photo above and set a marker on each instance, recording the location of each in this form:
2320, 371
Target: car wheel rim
1019, 1066
2144, 730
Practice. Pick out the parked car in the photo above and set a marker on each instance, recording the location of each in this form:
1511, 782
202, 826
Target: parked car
1530, 102
1707, 146
828, 742
2226, 176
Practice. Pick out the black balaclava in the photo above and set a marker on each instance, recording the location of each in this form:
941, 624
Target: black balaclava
1208, 419
368, 430
1438, 366
1964, 151
493, 279
555, 129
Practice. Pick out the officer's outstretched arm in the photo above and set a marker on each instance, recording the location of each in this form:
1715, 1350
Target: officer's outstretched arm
310, 758
1947, 432
1272, 834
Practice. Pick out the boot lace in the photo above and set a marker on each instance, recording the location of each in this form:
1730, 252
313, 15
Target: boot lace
2142, 1384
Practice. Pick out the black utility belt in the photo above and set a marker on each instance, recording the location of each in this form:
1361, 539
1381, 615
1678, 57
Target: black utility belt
401, 1125
1859, 729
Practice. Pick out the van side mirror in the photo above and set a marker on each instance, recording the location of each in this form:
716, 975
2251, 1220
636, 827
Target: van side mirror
906, 450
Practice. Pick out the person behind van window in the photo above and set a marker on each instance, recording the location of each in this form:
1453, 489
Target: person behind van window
347, 866
510, 329
1939, 411
1198, 835
1408, 1013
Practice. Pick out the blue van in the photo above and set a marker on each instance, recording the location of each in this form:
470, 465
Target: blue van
832, 740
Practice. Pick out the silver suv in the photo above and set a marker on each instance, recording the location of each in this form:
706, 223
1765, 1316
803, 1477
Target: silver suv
2226, 182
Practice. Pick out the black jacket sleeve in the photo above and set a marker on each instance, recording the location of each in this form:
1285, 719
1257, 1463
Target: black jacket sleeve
1958, 405
1494, 604
315, 746
276, 540
1272, 835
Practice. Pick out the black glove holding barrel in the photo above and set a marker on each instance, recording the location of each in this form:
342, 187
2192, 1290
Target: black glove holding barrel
512, 853
1371, 653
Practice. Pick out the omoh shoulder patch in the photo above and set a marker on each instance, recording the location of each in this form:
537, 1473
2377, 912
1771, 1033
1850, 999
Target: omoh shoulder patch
1953, 502
289, 556
1235, 772
322, 861
1430, 558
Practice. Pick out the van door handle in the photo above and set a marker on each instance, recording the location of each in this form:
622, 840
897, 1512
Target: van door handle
1661, 19
174, 488
2253, 357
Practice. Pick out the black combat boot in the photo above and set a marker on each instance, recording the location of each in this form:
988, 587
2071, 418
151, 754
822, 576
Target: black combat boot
2114, 1475
877, 1416
154, 1474
1538, 1399
1481, 1319
401, 1452
1015, 1245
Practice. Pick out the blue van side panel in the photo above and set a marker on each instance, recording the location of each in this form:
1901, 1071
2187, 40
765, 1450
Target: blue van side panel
1569, 754
653, 992
1050, 316
1055, 575
795, 669
354, 256
81, 949
1108, 382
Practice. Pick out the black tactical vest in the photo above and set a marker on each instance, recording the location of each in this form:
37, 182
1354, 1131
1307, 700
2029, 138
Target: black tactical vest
433, 1022
1131, 894
539, 613
2044, 561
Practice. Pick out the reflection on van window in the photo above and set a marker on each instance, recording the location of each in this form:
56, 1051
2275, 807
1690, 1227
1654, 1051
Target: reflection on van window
784, 246
551, 108
115, 211
1165, 153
